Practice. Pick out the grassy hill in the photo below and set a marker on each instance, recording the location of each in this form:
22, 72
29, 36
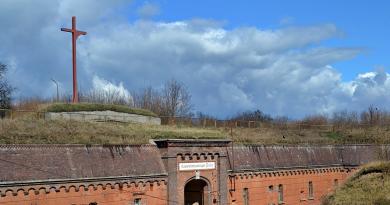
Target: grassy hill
32, 131
29, 127
35, 131
369, 186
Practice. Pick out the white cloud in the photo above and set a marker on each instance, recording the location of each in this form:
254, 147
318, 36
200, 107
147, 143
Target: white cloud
103, 86
283, 72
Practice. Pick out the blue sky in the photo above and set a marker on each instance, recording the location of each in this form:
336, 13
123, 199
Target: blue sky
292, 58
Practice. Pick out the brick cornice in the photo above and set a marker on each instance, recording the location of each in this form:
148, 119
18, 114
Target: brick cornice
46, 186
286, 172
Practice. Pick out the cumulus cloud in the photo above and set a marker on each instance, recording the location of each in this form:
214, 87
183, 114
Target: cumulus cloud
283, 72
105, 87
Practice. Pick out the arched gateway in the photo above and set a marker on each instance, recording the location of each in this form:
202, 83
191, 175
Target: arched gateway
196, 192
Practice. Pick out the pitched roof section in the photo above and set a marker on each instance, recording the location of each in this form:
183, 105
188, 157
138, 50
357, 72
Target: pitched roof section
287, 157
45, 162
20, 163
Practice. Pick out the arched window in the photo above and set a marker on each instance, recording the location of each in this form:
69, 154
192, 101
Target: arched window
137, 201
311, 190
280, 194
246, 196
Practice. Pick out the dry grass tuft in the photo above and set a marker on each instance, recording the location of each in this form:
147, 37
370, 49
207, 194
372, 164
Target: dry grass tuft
369, 186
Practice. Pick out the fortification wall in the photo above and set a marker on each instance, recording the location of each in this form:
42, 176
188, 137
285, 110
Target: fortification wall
120, 175
81, 174
285, 186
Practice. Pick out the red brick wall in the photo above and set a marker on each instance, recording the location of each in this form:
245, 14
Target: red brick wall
149, 193
295, 189
295, 186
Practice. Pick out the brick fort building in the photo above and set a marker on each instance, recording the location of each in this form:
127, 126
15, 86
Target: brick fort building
177, 172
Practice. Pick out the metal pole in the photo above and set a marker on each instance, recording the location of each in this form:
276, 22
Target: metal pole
55, 82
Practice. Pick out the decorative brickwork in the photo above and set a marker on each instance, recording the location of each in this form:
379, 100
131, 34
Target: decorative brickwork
151, 192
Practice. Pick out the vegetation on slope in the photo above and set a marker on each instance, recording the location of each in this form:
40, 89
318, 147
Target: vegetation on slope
369, 135
29, 130
32, 131
369, 186
67, 107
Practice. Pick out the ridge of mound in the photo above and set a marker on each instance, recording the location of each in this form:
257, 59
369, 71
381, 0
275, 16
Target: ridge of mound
66, 107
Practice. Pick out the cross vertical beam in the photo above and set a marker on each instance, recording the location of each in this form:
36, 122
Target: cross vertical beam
75, 35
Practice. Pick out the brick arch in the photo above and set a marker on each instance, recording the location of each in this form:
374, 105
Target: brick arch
208, 200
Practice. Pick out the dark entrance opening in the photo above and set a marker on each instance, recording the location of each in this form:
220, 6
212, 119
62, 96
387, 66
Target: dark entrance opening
196, 192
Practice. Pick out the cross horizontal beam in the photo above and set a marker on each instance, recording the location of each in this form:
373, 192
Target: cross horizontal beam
66, 30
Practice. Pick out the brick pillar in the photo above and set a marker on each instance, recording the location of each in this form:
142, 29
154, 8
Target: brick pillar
223, 178
172, 181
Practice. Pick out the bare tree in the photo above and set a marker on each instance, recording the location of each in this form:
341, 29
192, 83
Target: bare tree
110, 96
176, 100
5, 89
149, 99
256, 115
371, 116
314, 121
345, 118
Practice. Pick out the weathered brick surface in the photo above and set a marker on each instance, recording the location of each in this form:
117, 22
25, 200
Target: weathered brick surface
42, 162
290, 156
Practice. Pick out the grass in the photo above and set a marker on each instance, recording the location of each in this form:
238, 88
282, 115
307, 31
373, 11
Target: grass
374, 135
63, 107
369, 186
334, 135
28, 130
31, 131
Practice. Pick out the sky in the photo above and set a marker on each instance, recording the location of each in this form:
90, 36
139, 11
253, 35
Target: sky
290, 58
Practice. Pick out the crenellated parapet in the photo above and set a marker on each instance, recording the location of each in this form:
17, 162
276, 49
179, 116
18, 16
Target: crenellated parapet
250, 174
139, 183
198, 156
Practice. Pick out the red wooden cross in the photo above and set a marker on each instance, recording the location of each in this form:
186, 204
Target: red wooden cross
75, 35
